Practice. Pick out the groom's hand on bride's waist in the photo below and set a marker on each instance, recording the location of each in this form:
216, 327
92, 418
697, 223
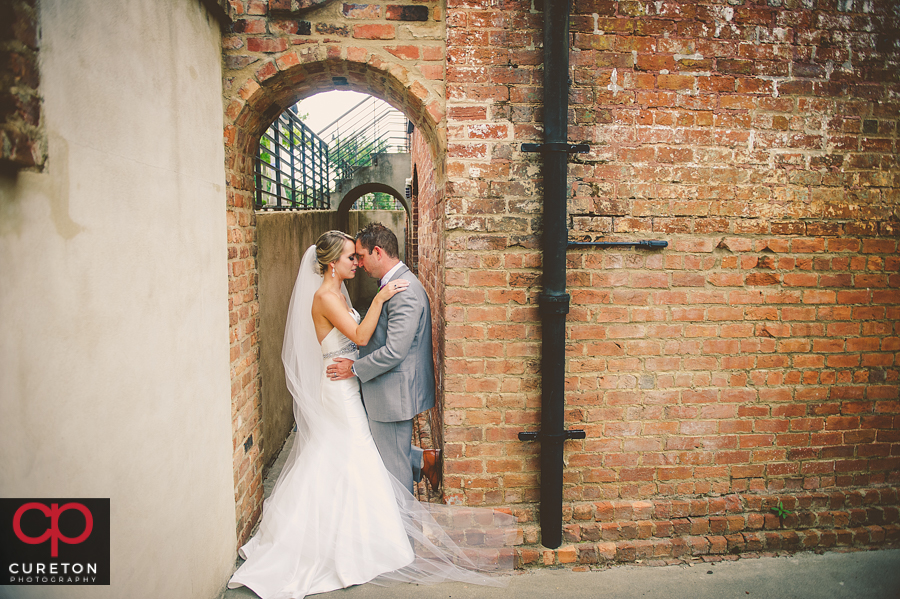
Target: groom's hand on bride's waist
340, 370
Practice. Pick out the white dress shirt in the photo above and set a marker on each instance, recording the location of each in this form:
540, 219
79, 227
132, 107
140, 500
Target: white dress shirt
382, 283
389, 274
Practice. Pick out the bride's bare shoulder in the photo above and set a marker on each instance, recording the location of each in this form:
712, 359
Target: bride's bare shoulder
325, 300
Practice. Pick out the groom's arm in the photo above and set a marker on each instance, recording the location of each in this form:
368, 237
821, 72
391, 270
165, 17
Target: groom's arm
404, 312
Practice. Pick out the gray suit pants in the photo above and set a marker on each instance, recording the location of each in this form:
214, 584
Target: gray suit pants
400, 456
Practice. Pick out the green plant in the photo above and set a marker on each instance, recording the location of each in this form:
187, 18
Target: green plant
377, 201
345, 155
780, 511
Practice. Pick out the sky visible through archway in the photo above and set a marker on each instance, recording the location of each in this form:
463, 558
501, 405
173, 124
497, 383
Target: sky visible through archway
323, 109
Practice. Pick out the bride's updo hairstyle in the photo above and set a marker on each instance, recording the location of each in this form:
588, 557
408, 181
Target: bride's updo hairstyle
329, 247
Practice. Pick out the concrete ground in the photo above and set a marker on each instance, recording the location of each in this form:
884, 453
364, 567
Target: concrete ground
831, 575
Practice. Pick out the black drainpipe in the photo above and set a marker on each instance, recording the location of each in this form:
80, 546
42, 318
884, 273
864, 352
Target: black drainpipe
554, 301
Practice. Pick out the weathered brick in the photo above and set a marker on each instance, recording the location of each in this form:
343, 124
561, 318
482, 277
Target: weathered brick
361, 11
405, 12
738, 360
374, 32
267, 45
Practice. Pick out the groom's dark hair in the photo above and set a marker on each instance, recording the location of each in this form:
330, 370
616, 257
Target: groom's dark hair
377, 234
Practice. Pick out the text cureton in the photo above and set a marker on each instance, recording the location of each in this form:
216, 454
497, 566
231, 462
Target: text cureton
52, 568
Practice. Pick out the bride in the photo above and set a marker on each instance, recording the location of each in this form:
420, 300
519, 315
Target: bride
336, 517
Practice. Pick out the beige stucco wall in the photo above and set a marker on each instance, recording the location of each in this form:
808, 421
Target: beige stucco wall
114, 360
283, 237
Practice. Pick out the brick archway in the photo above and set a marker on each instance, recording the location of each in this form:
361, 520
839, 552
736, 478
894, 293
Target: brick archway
359, 191
256, 101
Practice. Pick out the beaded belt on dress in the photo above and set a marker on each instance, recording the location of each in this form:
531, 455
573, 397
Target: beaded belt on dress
344, 350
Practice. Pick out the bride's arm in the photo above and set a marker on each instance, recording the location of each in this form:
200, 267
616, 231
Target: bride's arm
334, 309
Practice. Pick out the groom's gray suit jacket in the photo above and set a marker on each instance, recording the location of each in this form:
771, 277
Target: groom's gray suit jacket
396, 367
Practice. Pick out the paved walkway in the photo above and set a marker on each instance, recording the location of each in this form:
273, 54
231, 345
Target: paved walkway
831, 575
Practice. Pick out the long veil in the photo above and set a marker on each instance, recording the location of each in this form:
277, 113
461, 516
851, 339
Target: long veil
302, 357
450, 542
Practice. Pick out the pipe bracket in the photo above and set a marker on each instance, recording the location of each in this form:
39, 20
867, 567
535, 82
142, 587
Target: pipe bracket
565, 436
554, 303
557, 147
644, 243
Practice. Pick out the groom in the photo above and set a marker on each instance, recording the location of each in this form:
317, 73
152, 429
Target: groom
396, 367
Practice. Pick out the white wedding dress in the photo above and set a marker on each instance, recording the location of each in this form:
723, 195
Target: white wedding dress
336, 517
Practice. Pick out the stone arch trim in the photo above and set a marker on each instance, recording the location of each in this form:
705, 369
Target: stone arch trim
258, 95
359, 191
283, 81
387, 171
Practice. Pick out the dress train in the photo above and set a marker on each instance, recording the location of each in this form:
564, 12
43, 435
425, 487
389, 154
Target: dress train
337, 518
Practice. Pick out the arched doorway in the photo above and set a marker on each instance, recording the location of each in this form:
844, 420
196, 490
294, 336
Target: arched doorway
363, 288
256, 104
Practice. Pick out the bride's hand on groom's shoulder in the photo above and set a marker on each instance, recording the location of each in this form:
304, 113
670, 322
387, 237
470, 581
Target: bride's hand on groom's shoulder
392, 289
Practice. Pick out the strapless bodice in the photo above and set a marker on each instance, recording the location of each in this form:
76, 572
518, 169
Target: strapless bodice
336, 344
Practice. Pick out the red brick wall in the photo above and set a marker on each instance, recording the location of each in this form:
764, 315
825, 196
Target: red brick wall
429, 214
753, 360
23, 141
275, 55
